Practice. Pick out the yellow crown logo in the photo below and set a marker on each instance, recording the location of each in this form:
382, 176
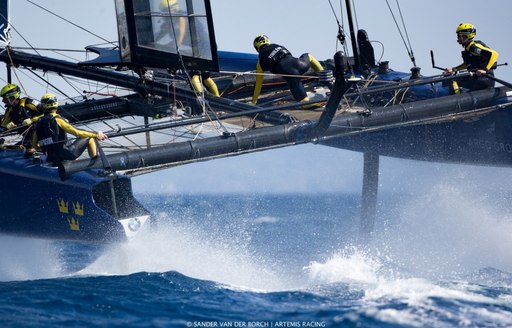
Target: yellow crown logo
73, 224
78, 209
63, 206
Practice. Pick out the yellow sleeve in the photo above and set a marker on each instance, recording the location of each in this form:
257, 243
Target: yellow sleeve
7, 119
34, 119
258, 84
460, 67
183, 29
72, 130
492, 59
32, 109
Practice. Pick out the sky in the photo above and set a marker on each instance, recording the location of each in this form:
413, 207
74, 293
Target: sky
302, 26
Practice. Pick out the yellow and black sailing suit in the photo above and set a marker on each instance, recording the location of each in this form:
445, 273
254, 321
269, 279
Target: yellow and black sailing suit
27, 110
51, 136
278, 60
476, 55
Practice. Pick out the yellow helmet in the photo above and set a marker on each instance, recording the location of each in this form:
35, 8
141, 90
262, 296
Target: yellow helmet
466, 29
164, 4
49, 101
260, 41
10, 90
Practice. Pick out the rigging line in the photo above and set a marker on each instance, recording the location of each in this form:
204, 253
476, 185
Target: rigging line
71, 85
340, 37
26, 41
178, 52
184, 68
15, 70
47, 82
409, 52
70, 22
47, 49
341, 33
405, 31
355, 14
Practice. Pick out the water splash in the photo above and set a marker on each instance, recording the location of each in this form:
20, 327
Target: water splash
28, 259
187, 248
448, 232
350, 265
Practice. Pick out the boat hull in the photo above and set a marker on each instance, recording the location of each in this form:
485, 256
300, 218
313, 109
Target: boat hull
36, 203
481, 139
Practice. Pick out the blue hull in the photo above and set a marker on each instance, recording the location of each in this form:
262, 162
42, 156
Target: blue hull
36, 203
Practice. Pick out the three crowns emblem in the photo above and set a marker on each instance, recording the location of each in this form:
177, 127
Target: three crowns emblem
78, 209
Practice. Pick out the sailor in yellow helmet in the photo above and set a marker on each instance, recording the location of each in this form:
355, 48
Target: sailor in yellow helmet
20, 112
278, 60
477, 57
51, 135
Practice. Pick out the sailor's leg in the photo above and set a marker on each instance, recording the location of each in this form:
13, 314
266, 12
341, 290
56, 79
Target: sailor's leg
73, 149
315, 64
297, 89
211, 86
196, 84
91, 148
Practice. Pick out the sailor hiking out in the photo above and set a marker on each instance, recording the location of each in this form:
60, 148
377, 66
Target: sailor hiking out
278, 60
51, 135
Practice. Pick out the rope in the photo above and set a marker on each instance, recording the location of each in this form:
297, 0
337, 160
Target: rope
407, 47
70, 22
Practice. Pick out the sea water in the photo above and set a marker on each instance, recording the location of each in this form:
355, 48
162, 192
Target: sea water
264, 260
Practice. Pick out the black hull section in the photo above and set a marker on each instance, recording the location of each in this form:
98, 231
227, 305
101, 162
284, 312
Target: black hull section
36, 203
466, 135
486, 140
469, 128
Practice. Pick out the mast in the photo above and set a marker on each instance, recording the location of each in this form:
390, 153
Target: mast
355, 49
5, 35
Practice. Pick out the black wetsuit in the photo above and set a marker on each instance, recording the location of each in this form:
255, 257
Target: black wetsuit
54, 142
278, 60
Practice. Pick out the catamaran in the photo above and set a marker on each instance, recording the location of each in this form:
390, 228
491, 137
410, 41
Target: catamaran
156, 120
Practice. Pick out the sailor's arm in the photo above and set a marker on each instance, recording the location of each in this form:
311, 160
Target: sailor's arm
79, 133
33, 107
6, 119
258, 84
183, 29
457, 68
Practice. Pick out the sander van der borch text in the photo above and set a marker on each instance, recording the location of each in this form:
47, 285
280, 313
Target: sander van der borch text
257, 324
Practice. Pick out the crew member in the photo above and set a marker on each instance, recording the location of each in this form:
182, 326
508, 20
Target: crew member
180, 31
278, 60
208, 82
51, 135
477, 57
20, 112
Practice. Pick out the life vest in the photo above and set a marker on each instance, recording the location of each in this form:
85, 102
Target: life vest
49, 134
19, 113
27, 108
271, 55
473, 57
